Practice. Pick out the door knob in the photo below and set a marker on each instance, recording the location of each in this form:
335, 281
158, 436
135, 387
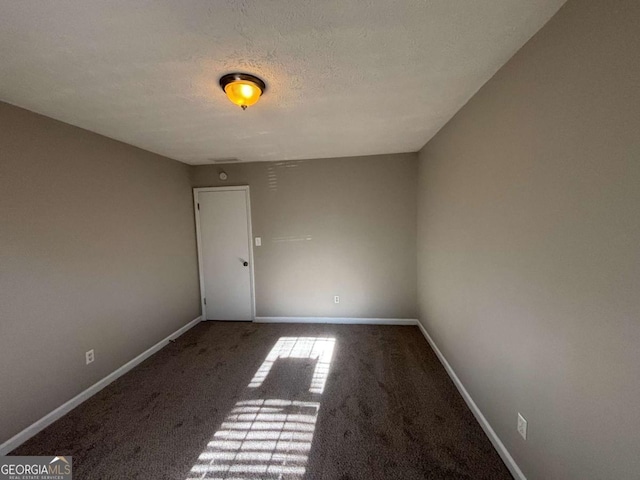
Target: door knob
246, 264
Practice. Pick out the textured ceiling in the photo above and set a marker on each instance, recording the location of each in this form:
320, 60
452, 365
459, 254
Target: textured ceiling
344, 77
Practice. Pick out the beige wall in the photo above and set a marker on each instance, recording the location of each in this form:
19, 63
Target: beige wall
344, 226
529, 245
97, 251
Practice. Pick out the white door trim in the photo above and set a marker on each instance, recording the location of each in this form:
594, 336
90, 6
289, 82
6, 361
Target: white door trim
245, 189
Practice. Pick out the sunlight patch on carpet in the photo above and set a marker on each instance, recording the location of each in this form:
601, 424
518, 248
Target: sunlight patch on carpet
270, 438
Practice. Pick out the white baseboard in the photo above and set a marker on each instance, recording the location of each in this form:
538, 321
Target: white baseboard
495, 440
66, 407
339, 320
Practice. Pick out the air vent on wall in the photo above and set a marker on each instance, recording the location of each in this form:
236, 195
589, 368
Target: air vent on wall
224, 160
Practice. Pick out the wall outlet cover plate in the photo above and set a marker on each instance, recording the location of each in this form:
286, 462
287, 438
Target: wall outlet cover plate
522, 426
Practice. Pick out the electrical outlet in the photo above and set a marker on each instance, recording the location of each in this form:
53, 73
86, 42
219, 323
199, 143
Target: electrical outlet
522, 426
336, 299
90, 356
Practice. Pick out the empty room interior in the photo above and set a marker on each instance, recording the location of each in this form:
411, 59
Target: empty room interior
320, 240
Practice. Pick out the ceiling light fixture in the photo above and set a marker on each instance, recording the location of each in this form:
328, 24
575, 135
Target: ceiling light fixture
242, 89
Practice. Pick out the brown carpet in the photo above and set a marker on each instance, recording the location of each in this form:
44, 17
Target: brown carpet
249, 401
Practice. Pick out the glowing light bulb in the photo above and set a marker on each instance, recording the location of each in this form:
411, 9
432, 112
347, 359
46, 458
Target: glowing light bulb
242, 89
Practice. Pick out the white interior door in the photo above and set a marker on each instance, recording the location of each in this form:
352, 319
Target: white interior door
225, 253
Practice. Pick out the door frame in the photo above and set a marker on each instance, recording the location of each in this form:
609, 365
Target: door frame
196, 210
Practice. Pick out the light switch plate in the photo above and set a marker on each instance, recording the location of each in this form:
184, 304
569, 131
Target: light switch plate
258, 241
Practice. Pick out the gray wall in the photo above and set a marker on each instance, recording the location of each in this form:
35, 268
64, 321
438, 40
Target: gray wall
529, 245
97, 251
344, 226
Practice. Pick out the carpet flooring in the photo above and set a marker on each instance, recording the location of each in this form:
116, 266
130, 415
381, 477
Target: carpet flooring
273, 401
